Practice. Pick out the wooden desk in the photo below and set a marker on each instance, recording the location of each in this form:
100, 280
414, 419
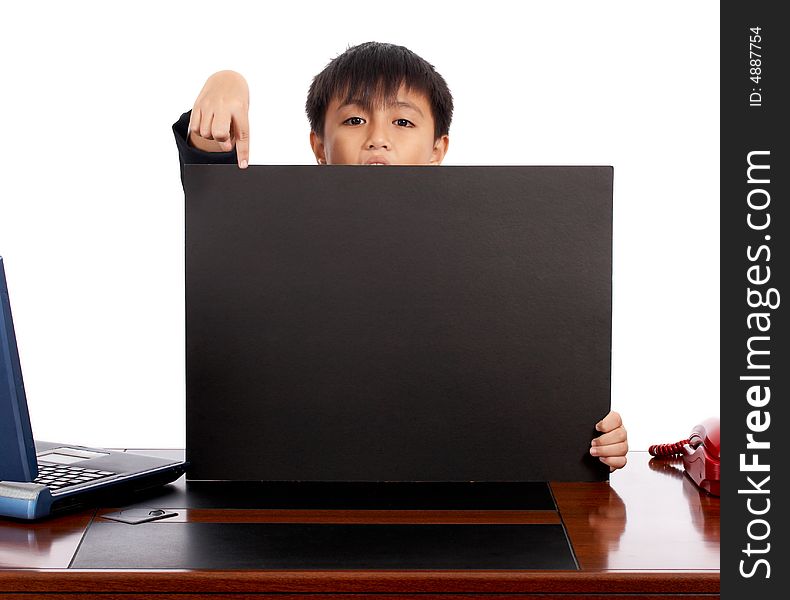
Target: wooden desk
649, 534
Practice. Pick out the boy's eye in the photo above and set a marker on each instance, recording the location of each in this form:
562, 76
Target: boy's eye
360, 121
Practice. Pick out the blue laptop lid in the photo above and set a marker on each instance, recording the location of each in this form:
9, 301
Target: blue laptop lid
17, 449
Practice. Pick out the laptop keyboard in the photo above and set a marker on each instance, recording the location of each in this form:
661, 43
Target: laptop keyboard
58, 476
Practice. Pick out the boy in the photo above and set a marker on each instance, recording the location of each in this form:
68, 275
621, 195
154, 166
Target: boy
375, 104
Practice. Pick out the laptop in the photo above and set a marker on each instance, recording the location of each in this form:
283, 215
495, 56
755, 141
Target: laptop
38, 479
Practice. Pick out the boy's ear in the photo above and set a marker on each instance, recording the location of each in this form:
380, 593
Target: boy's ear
317, 144
439, 150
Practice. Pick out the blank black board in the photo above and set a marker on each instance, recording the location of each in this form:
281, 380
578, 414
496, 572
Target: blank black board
400, 323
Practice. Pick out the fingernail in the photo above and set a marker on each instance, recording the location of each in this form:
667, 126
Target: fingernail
598, 426
594, 451
243, 164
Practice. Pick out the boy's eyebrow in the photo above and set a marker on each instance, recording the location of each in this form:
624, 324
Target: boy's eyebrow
399, 104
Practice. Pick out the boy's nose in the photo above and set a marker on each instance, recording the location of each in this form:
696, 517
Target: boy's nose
377, 138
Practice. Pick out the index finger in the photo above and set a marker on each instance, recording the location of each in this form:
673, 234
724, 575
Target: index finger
241, 132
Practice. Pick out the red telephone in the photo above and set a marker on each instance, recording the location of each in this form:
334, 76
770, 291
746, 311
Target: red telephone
700, 454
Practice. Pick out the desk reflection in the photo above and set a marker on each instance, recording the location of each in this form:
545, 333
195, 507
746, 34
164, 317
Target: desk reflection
703, 507
46, 544
648, 513
607, 521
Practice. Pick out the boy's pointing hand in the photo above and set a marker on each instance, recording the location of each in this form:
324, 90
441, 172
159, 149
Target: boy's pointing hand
220, 116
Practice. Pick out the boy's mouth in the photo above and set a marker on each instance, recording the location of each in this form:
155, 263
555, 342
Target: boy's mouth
377, 160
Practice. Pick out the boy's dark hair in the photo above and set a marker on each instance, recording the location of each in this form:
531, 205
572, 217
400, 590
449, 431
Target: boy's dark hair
374, 71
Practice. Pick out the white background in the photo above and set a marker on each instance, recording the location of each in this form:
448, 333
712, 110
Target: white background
91, 204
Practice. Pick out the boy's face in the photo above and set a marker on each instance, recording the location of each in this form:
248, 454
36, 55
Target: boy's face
400, 134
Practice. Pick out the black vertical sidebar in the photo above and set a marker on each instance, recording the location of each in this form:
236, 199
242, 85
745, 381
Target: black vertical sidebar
755, 369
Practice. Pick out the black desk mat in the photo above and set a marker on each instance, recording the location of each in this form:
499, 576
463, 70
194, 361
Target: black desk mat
531, 495
299, 546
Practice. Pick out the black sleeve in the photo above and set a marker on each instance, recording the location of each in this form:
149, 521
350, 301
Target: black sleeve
190, 155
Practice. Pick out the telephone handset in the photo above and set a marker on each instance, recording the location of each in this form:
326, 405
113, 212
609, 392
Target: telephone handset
700, 454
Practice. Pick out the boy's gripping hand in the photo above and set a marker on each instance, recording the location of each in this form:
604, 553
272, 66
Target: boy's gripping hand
220, 116
612, 446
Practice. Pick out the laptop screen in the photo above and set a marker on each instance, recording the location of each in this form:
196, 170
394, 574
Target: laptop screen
403, 323
17, 449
